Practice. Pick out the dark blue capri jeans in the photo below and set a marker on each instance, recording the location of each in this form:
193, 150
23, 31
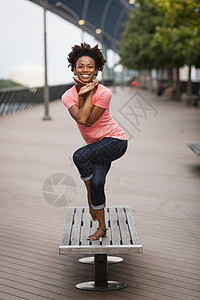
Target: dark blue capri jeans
94, 161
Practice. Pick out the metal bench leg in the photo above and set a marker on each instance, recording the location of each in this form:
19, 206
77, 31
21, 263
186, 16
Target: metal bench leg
101, 283
100, 267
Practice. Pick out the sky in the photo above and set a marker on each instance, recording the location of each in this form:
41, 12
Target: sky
21, 40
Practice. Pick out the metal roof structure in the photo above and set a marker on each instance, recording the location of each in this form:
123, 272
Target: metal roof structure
104, 19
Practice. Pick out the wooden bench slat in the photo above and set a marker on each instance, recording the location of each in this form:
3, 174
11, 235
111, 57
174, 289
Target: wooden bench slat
85, 231
106, 240
75, 235
123, 226
68, 227
114, 228
132, 227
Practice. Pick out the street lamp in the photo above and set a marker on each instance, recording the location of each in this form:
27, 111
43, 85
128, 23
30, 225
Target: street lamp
81, 22
98, 31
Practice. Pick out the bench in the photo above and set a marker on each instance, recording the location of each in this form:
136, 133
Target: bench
195, 147
122, 237
190, 99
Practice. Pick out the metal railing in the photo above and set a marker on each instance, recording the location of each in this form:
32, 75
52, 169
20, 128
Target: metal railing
20, 98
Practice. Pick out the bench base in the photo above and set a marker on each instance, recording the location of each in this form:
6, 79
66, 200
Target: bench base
90, 286
100, 283
110, 260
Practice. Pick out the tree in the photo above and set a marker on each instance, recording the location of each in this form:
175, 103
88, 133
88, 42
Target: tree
134, 47
178, 12
180, 35
162, 34
173, 45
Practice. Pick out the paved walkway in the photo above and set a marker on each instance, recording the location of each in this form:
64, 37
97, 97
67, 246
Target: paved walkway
159, 177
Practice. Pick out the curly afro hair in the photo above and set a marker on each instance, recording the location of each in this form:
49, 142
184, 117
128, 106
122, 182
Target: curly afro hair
86, 50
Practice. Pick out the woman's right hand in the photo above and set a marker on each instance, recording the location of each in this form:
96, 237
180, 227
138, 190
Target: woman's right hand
79, 82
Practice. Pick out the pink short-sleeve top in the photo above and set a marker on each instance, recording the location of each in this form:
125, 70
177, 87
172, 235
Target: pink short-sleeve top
105, 126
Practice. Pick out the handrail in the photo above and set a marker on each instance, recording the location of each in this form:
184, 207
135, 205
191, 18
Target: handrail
21, 98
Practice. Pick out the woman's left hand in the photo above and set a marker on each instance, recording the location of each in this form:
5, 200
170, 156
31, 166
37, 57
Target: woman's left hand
88, 88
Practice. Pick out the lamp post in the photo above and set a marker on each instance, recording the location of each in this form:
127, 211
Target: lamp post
46, 88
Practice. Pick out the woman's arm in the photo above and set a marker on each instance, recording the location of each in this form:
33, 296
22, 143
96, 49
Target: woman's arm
84, 115
95, 113
81, 114
79, 85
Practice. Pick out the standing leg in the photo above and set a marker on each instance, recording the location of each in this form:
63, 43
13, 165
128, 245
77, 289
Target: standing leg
98, 197
101, 231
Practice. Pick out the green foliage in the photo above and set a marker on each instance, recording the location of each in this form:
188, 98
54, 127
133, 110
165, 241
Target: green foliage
179, 12
176, 46
5, 83
162, 34
179, 38
135, 45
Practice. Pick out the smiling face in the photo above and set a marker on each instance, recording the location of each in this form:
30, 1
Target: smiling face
85, 68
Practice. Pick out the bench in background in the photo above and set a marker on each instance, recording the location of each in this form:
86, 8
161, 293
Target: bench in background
195, 146
122, 237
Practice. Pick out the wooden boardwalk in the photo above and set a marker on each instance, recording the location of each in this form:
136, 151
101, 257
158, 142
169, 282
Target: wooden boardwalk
159, 178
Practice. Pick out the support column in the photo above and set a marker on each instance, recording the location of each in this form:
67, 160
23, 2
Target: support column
101, 270
105, 72
113, 72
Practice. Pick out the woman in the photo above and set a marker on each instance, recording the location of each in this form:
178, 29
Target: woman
88, 104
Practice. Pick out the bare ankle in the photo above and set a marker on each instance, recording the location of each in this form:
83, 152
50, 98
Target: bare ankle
102, 225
